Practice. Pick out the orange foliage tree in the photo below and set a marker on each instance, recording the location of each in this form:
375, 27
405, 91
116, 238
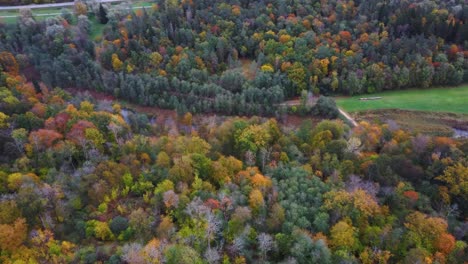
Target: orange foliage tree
12, 236
44, 138
8, 63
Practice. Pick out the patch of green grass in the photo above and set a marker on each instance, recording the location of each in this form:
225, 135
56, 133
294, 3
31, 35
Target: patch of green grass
34, 11
37, 13
96, 28
7, 20
143, 4
450, 99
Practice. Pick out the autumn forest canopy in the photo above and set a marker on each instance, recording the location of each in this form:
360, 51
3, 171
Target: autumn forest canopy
161, 134
243, 57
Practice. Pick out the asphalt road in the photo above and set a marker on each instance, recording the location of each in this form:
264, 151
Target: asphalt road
50, 5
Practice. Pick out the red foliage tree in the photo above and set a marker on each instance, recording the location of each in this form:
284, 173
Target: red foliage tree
44, 138
412, 195
59, 122
77, 131
345, 35
213, 204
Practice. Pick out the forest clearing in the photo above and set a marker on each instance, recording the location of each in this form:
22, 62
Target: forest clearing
442, 99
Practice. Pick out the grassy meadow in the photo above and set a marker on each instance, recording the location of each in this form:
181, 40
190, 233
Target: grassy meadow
449, 99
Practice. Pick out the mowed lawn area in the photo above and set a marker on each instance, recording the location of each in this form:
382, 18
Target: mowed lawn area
449, 99
8, 16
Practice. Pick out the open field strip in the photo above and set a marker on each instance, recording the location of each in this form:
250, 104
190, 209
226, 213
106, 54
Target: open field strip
452, 100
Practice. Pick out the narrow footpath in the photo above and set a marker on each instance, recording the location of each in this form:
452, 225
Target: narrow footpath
348, 117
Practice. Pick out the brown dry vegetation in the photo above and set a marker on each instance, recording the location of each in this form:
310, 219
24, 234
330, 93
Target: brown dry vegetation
431, 123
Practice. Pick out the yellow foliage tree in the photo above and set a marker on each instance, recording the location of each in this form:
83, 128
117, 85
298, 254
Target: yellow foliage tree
12, 236
9, 212
297, 74
117, 64
155, 59
102, 231
343, 236
49, 250
253, 138
94, 136
260, 181
256, 200
163, 160
456, 177
321, 139
344, 202
267, 68
3, 120
86, 107
284, 38
425, 231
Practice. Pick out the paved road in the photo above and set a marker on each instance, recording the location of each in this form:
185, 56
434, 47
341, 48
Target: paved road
50, 5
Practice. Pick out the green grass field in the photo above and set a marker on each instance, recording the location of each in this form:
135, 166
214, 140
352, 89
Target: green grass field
35, 13
143, 4
450, 99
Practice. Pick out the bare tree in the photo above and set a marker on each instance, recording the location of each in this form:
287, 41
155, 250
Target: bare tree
212, 255
265, 244
171, 199
212, 228
354, 144
265, 154
420, 143
131, 253
237, 245
249, 158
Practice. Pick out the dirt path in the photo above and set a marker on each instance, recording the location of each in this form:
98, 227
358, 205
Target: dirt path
348, 117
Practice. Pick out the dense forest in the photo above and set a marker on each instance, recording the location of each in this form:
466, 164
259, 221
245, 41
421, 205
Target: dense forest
244, 57
85, 180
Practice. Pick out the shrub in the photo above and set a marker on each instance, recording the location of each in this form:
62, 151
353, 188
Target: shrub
326, 107
118, 224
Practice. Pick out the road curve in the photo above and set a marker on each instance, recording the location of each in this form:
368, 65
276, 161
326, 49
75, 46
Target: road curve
50, 5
